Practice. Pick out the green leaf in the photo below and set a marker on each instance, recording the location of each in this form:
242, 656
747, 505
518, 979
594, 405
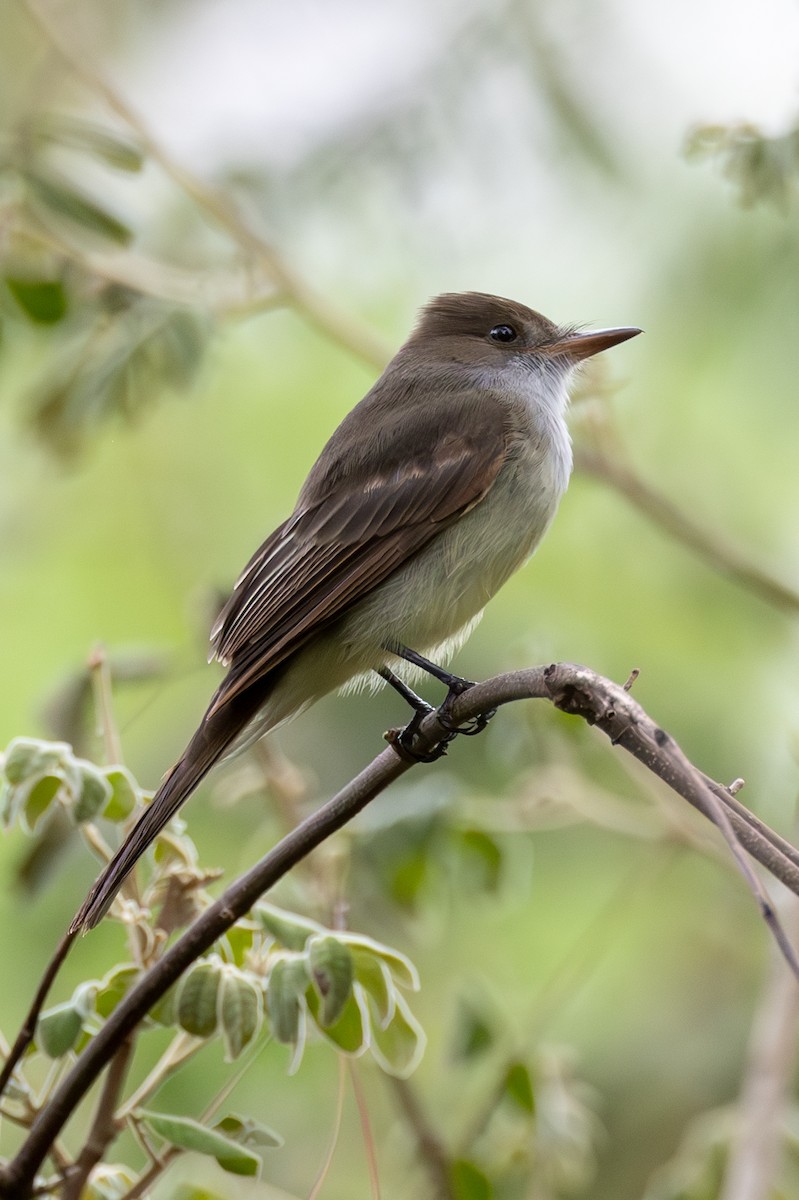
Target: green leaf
332, 971
95, 792
62, 198
115, 148
191, 1191
469, 1182
351, 1032
197, 999
288, 982
44, 301
374, 977
402, 969
124, 794
32, 756
38, 800
519, 1087
473, 1034
191, 1135
59, 1028
165, 1010
286, 928
485, 854
248, 1132
240, 1011
399, 1047
109, 1181
113, 988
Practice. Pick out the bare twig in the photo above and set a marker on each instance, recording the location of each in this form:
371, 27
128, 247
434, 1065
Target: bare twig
573, 689
101, 684
28, 1029
430, 1149
728, 560
290, 288
759, 1127
105, 1126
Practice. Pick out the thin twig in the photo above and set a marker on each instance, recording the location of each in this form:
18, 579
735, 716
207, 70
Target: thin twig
429, 1147
713, 548
101, 684
754, 1157
105, 1126
293, 290
569, 687
28, 1029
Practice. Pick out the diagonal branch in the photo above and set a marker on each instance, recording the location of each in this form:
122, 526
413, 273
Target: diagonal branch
290, 288
573, 689
717, 552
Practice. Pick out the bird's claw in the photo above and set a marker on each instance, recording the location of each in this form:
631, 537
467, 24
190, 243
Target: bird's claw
402, 739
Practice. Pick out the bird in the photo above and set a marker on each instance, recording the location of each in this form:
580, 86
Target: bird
428, 496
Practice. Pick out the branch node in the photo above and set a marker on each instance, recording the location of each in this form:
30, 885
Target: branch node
735, 787
631, 678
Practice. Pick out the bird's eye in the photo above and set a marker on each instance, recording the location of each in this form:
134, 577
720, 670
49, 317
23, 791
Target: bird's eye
503, 333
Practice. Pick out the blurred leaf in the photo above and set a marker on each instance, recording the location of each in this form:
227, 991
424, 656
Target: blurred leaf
764, 169
248, 1132
95, 792
350, 1032
240, 1010
116, 369
288, 982
117, 149
469, 1182
59, 1028
408, 877
113, 988
375, 978
196, 1001
286, 928
164, 1011
484, 852
398, 1048
519, 1087
32, 756
239, 939
193, 1191
190, 1135
38, 800
473, 1034
109, 1181
60, 197
124, 794
332, 972
400, 966
44, 301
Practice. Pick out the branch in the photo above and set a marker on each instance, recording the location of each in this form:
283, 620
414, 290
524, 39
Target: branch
712, 547
573, 689
290, 288
105, 1126
759, 1132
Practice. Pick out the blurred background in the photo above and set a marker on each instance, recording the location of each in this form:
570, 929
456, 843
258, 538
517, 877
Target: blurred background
217, 221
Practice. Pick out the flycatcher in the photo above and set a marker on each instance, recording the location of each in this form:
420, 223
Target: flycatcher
429, 495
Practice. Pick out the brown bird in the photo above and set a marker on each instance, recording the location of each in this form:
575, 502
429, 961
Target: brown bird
436, 487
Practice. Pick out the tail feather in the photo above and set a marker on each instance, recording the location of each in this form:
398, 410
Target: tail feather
212, 739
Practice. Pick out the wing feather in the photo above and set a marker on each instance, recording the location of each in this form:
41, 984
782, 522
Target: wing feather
338, 547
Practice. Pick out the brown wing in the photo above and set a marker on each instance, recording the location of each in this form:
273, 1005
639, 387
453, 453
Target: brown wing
334, 550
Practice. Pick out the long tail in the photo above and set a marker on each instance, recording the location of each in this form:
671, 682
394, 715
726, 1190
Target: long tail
214, 736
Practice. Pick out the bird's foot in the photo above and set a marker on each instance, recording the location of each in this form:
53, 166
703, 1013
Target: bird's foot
402, 740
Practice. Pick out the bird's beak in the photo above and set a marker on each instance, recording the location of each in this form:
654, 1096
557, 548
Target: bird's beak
578, 346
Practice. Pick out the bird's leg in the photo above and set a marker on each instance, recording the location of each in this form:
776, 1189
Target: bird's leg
456, 686
419, 706
403, 740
